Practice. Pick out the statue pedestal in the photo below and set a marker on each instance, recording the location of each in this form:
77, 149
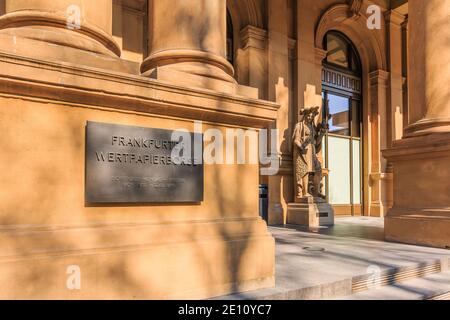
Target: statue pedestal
310, 212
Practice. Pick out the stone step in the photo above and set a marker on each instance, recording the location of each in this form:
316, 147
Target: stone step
444, 296
395, 275
434, 286
435, 273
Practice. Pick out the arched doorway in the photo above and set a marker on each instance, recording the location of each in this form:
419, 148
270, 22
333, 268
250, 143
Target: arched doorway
342, 104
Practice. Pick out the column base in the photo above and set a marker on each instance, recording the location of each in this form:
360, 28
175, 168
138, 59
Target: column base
426, 227
52, 28
310, 212
37, 49
427, 126
187, 79
194, 62
421, 212
280, 195
381, 193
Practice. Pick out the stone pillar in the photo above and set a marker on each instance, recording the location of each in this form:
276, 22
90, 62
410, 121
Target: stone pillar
379, 178
188, 36
421, 212
394, 22
309, 58
251, 58
429, 73
79, 24
278, 73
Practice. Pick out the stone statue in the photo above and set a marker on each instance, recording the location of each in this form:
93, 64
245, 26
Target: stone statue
307, 140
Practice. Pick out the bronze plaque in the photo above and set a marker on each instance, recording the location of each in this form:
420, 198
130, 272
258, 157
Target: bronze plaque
127, 164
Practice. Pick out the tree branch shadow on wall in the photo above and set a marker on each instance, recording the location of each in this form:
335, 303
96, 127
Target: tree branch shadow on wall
37, 254
22, 248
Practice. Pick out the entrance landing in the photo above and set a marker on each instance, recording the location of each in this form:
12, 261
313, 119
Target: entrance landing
338, 261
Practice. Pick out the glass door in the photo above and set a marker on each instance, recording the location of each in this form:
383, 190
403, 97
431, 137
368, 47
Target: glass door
343, 152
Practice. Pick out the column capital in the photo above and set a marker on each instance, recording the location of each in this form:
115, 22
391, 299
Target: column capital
320, 55
379, 77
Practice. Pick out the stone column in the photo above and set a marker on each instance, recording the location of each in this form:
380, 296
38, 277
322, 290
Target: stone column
429, 74
79, 24
379, 177
188, 36
421, 212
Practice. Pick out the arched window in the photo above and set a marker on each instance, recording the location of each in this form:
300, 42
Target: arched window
341, 53
342, 88
230, 39
341, 79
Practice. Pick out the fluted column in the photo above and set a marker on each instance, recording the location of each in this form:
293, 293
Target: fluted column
80, 24
421, 211
429, 74
188, 36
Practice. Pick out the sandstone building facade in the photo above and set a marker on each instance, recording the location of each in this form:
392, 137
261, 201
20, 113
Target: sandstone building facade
379, 69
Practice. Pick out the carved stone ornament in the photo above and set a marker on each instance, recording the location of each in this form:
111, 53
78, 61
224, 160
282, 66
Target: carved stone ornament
355, 7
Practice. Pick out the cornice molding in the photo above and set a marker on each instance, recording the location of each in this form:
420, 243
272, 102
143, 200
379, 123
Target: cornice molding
320, 55
68, 84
